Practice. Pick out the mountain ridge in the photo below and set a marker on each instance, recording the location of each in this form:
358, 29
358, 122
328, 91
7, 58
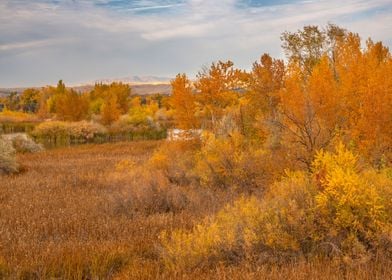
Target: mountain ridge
140, 85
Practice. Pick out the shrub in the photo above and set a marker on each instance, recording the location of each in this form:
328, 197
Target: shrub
127, 123
82, 131
176, 160
8, 116
22, 143
51, 129
126, 127
8, 162
338, 209
85, 130
231, 162
139, 116
224, 163
148, 191
352, 205
227, 236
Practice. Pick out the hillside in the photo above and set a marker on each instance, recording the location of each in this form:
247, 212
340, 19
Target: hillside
139, 89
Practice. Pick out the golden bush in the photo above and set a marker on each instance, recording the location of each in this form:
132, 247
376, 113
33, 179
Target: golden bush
223, 237
352, 205
176, 160
231, 162
338, 209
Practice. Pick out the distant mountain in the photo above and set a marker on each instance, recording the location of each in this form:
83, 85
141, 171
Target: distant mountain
140, 85
6, 91
137, 80
145, 89
137, 88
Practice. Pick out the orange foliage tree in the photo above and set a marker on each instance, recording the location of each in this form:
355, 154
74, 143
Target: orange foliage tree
266, 80
372, 123
71, 106
310, 110
218, 88
111, 110
184, 102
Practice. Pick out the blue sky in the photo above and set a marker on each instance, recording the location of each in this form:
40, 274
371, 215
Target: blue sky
79, 41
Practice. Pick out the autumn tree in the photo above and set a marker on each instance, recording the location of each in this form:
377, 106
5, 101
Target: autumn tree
12, 101
183, 101
47, 102
60, 87
266, 80
29, 100
122, 93
371, 129
306, 47
111, 110
312, 107
218, 88
310, 110
349, 71
102, 92
50, 96
71, 106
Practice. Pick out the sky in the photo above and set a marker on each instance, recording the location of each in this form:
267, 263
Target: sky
81, 41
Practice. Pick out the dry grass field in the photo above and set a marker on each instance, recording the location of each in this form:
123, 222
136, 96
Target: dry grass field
92, 212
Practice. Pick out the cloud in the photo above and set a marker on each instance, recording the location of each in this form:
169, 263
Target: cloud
31, 45
82, 40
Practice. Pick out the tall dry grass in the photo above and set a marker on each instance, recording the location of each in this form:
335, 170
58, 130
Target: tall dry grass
73, 215
97, 212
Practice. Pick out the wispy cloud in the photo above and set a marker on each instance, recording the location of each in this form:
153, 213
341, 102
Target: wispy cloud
81, 40
158, 7
31, 45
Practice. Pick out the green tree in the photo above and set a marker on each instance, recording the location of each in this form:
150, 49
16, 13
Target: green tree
306, 47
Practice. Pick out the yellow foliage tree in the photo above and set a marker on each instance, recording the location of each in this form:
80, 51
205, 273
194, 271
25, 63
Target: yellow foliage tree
120, 90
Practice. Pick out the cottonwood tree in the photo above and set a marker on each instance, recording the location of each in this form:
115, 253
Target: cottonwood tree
371, 125
218, 88
266, 80
183, 101
111, 110
102, 92
71, 106
306, 47
29, 100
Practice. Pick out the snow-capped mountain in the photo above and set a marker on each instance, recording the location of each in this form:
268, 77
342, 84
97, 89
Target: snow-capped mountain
137, 80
